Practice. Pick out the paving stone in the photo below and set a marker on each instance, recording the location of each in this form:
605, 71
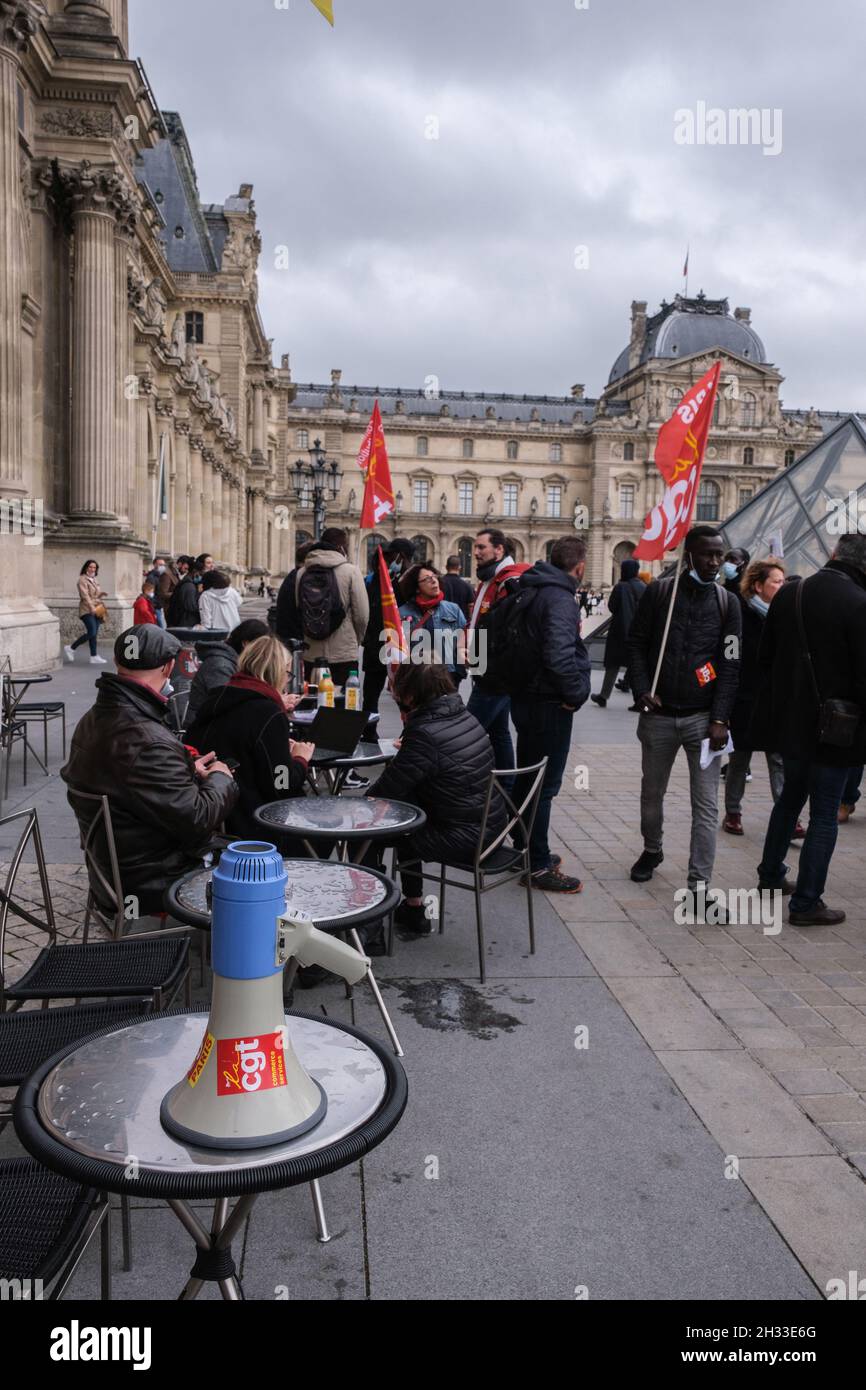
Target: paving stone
819, 1206
813, 1081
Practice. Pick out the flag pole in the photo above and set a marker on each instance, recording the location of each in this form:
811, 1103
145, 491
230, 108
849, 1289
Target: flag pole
670, 614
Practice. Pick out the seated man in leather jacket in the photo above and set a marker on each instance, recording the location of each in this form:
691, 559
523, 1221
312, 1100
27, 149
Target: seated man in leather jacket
165, 804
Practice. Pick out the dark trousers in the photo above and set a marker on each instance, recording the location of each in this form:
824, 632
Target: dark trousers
340, 670
851, 792
543, 730
375, 676
492, 713
610, 675
823, 787
90, 634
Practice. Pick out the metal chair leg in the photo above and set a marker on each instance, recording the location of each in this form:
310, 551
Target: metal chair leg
479, 926
530, 907
105, 1253
126, 1233
442, 900
323, 1235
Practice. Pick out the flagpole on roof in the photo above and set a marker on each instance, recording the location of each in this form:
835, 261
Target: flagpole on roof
686, 272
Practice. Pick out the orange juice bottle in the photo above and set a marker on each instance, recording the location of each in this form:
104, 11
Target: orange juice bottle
326, 690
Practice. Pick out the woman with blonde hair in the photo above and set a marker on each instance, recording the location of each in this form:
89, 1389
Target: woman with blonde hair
247, 721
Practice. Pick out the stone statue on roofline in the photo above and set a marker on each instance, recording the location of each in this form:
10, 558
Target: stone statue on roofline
178, 337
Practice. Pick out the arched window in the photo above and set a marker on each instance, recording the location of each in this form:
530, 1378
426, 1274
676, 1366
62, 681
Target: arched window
422, 549
468, 449
674, 398
422, 446
373, 543
709, 495
749, 410
789, 457
748, 457
628, 452
512, 450
465, 551
302, 439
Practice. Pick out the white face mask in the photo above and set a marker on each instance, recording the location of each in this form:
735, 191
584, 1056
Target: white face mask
167, 689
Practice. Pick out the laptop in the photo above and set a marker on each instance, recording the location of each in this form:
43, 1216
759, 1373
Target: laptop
336, 733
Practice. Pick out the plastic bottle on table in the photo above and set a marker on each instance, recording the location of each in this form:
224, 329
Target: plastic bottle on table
326, 690
353, 690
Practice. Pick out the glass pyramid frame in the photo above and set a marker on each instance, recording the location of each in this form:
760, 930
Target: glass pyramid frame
799, 508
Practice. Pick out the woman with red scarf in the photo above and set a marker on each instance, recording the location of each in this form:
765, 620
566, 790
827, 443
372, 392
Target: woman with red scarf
424, 606
248, 721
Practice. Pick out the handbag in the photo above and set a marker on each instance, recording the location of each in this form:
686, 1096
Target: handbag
100, 612
838, 720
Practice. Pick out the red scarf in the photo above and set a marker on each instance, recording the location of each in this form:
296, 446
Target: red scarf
427, 603
256, 687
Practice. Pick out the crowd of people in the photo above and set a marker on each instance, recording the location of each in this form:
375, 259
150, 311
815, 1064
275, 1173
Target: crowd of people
729, 658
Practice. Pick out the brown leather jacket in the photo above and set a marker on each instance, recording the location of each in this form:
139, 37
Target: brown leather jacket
164, 816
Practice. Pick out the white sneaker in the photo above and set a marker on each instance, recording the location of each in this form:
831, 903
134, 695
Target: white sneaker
69, 653
98, 661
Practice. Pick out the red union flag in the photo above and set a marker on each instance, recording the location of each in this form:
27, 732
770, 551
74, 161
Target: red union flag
679, 458
396, 645
373, 462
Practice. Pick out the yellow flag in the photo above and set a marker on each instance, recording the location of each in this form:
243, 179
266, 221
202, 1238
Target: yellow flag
326, 8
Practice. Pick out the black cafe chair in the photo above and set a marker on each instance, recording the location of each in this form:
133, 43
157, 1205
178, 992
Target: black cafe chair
46, 1224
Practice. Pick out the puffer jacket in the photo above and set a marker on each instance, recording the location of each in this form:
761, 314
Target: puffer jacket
218, 662
705, 619
243, 721
444, 766
553, 630
343, 644
163, 816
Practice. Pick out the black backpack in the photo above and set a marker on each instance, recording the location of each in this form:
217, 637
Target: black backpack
321, 608
513, 654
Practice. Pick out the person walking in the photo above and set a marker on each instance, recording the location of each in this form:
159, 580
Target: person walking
455, 588
91, 611
490, 702
425, 609
850, 795
156, 574
692, 702
811, 708
759, 584
220, 603
552, 668
143, 612
622, 605
334, 609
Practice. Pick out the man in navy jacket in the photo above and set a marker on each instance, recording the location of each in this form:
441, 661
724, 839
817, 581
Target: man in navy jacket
543, 712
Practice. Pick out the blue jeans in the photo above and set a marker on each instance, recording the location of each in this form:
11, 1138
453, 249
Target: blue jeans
160, 617
851, 792
492, 713
823, 786
543, 731
91, 625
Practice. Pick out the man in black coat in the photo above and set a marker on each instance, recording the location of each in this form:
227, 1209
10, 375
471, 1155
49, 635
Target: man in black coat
455, 588
786, 718
165, 807
183, 606
692, 701
622, 606
543, 711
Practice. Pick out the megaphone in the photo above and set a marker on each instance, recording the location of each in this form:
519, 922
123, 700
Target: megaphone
246, 1088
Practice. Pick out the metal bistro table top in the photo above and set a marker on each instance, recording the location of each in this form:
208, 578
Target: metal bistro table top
341, 818
337, 896
365, 755
94, 1109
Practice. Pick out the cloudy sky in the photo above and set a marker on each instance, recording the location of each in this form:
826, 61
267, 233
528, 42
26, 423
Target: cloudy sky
460, 256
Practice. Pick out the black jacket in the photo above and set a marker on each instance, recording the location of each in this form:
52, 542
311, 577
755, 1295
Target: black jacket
183, 608
163, 815
747, 690
456, 590
704, 620
622, 606
289, 625
553, 629
249, 727
218, 662
444, 766
786, 711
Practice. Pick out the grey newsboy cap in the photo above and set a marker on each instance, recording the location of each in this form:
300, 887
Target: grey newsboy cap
145, 648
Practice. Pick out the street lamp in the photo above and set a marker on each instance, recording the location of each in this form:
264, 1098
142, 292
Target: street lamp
316, 481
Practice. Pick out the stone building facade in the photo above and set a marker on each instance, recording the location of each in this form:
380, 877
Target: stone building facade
139, 406
539, 467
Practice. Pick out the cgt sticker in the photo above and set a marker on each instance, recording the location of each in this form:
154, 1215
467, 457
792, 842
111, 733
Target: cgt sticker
198, 1065
247, 1065
705, 674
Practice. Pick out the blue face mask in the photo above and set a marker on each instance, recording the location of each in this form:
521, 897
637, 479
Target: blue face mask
760, 605
729, 570
703, 582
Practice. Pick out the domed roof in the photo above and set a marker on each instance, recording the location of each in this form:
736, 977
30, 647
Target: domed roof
694, 325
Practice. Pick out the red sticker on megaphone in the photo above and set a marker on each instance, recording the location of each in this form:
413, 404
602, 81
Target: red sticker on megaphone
248, 1065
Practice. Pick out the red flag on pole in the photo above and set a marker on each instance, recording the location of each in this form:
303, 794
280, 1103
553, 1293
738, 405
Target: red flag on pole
373, 462
679, 458
398, 648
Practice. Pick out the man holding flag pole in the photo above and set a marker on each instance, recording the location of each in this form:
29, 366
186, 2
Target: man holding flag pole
684, 649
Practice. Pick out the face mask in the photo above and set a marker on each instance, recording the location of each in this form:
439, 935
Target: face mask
160, 569
394, 568
760, 605
705, 583
729, 570
167, 689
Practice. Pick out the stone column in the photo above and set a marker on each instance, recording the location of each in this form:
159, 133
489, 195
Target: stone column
258, 449
183, 488
197, 539
143, 515
258, 558
214, 545
124, 460
232, 556
97, 196
18, 23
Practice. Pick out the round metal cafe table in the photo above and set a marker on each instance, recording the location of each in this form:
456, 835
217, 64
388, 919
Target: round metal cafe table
339, 898
92, 1114
335, 770
353, 822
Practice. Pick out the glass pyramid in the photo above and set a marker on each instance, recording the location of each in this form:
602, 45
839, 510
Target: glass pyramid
797, 507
